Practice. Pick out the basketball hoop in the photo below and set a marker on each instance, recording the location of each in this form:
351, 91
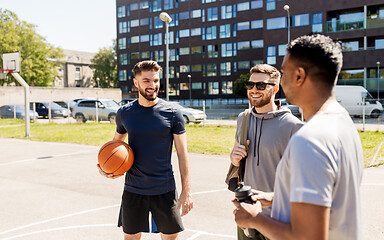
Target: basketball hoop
4, 72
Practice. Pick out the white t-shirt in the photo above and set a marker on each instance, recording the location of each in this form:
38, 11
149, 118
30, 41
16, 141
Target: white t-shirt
323, 165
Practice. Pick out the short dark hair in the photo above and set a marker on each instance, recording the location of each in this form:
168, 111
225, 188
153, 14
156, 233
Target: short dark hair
319, 55
146, 65
274, 74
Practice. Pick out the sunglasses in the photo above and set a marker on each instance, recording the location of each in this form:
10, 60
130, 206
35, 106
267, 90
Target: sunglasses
259, 85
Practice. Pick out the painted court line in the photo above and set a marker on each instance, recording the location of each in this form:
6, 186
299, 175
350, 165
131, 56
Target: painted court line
374, 157
200, 233
44, 158
84, 212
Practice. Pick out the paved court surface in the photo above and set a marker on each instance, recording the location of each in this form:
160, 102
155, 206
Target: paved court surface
54, 191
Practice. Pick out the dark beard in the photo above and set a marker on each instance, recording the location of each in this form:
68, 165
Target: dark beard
266, 100
149, 98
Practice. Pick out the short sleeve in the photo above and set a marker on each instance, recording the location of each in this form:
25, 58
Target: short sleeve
178, 126
119, 122
312, 172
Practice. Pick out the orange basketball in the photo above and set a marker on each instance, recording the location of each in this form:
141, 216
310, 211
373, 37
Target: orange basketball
115, 157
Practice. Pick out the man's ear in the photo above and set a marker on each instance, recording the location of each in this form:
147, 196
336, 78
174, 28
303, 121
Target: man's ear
276, 88
135, 82
301, 76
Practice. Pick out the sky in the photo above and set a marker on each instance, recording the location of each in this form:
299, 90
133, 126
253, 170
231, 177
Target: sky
82, 25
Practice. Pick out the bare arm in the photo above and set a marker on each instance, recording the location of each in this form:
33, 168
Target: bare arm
308, 221
120, 137
185, 200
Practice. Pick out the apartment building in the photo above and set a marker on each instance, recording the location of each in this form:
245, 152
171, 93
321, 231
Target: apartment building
213, 42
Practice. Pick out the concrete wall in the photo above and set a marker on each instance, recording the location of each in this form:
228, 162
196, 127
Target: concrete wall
15, 95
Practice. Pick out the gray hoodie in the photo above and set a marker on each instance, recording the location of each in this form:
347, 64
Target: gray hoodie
269, 134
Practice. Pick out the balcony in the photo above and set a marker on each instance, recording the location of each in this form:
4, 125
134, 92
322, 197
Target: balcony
375, 22
339, 26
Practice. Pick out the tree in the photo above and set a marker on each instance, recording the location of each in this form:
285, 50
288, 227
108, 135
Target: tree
239, 85
38, 58
105, 65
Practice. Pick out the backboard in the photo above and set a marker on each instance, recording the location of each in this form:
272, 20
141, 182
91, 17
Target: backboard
12, 61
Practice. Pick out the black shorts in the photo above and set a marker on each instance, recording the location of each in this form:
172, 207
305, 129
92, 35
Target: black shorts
135, 213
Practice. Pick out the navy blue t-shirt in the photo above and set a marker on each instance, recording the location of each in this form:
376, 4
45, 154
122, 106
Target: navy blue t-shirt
150, 135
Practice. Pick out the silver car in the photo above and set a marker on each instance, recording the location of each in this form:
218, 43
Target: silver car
295, 110
85, 109
190, 114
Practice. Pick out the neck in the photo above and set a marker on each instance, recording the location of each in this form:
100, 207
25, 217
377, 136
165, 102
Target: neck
146, 103
316, 104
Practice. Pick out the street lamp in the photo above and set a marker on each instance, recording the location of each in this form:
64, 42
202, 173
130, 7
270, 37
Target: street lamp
190, 90
378, 79
167, 19
286, 8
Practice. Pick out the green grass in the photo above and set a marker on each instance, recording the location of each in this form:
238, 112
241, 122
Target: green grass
207, 139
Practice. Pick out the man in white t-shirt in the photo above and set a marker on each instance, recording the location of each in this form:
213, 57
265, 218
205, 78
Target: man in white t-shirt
317, 186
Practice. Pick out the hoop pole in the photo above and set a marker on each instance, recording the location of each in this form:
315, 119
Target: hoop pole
26, 98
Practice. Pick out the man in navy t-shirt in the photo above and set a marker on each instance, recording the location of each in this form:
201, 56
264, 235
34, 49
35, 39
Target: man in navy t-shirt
152, 125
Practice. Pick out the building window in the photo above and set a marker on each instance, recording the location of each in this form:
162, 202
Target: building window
123, 59
243, 26
196, 50
146, 55
173, 55
225, 69
228, 50
157, 22
350, 46
301, 20
184, 15
317, 22
134, 6
122, 43
225, 31
276, 23
209, 33
175, 19
244, 6
122, 75
155, 6
184, 33
210, 70
271, 55
159, 55
243, 65
257, 43
135, 55
256, 62
184, 51
208, 1
156, 39
77, 74
144, 38
212, 14
144, 5
197, 86
135, 39
227, 87
134, 23
121, 11
379, 43
196, 68
243, 45
196, 13
282, 49
213, 88
184, 68
213, 51
256, 4
144, 21
255, 24
195, 31
123, 27
168, 4
174, 89
271, 5
228, 11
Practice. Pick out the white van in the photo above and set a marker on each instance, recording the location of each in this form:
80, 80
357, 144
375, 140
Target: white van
351, 98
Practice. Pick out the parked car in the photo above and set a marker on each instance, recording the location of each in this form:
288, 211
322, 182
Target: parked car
8, 111
190, 114
56, 110
85, 109
125, 101
295, 110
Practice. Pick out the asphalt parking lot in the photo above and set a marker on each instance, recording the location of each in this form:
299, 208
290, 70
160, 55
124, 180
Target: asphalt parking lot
54, 191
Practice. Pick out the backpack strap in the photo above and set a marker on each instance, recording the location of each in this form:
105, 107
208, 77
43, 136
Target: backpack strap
243, 141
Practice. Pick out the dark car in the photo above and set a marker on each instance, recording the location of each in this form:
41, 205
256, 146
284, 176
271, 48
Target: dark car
56, 110
18, 111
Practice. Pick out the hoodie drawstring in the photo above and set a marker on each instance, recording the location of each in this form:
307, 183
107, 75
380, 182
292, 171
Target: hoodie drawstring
258, 142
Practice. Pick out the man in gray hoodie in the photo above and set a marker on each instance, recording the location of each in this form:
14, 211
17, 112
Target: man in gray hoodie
269, 129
